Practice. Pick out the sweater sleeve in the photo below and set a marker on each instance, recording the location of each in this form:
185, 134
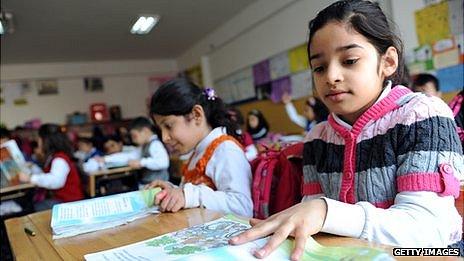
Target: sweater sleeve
56, 178
428, 154
417, 219
231, 174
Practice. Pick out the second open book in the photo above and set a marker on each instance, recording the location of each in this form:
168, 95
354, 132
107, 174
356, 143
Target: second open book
74, 218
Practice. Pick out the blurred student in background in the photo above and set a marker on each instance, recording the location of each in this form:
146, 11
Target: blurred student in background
314, 112
5, 135
251, 152
257, 125
60, 177
86, 149
426, 83
151, 156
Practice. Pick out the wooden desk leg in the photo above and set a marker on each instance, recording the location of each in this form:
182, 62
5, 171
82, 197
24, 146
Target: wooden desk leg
92, 186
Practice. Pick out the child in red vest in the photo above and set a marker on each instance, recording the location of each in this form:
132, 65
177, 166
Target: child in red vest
217, 175
61, 176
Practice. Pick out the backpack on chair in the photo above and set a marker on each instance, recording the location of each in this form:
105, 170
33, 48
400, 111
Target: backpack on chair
277, 177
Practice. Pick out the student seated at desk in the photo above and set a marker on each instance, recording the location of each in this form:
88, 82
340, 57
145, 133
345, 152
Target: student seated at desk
384, 166
217, 175
151, 155
113, 144
60, 175
86, 149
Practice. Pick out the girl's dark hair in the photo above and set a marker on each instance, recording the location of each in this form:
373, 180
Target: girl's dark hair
55, 140
366, 18
178, 96
262, 125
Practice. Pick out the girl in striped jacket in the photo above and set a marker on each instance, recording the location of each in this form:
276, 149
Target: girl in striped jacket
385, 166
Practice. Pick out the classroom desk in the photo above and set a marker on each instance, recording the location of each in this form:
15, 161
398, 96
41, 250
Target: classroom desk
115, 173
42, 247
15, 191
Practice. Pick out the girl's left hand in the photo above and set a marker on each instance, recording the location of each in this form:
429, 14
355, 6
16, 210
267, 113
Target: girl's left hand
299, 221
24, 178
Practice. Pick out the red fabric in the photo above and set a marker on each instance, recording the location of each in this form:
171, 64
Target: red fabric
288, 191
72, 189
246, 139
277, 180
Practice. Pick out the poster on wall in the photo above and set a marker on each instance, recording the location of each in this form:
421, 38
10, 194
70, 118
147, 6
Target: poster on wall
432, 23
47, 87
278, 66
14, 93
93, 84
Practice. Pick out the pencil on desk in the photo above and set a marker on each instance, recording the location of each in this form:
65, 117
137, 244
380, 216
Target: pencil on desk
29, 231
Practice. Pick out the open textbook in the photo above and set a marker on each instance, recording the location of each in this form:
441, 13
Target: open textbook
11, 163
209, 241
74, 218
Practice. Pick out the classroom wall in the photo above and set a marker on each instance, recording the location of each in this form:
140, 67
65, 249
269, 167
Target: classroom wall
269, 27
125, 84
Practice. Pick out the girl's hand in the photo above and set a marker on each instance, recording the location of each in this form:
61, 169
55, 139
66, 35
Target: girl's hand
99, 159
299, 221
172, 199
24, 178
286, 98
134, 164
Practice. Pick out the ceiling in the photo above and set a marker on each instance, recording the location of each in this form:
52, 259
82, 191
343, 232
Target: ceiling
90, 30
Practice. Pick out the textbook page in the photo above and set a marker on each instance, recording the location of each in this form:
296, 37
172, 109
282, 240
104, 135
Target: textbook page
209, 241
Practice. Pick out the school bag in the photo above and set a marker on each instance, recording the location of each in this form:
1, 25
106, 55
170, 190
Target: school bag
277, 177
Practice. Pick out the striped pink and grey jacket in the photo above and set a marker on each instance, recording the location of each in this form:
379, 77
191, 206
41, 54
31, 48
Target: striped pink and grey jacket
405, 142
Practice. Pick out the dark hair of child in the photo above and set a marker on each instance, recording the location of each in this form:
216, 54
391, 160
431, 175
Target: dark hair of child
54, 140
262, 122
423, 78
368, 19
179, 95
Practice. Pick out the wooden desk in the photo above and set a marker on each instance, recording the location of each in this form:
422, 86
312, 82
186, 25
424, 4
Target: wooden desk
42, 246
115, 173
15, 191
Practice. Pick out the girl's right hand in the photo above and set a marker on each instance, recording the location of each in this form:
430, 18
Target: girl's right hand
299, 221
286, 98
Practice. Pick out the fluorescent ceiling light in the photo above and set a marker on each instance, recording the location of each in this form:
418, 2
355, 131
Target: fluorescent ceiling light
1, 28
144, 24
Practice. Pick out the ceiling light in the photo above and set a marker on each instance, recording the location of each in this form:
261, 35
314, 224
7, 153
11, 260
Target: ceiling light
144, 24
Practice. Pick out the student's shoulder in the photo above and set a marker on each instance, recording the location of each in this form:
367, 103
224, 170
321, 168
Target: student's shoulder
422, 106
320, 131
